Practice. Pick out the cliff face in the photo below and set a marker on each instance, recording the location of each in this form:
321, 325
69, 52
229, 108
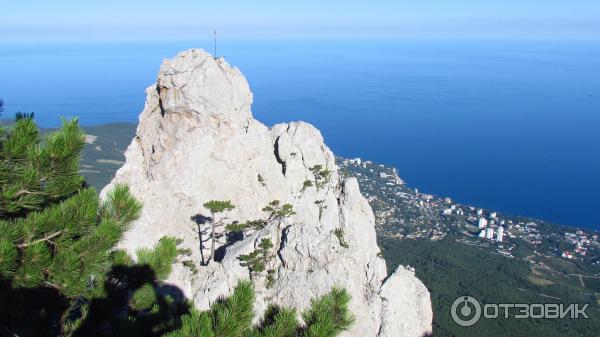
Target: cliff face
197, 141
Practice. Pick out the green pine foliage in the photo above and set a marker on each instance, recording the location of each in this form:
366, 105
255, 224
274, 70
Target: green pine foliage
218, 206
258, 259
66, 245
322, 176
36, 171
307, 183
215, 207
328, 316
276, 211
55, 235
242, 227
270, 280
339, 233
160, 259
233, 316
237, 227
277, 322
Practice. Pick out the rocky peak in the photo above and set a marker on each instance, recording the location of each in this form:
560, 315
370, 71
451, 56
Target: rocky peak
197, 141
195, 84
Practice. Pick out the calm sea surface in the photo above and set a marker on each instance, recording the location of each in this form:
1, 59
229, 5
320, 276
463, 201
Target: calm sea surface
508, 125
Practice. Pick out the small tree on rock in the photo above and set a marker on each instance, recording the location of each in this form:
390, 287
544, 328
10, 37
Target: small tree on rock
257, 260
216, 207
322, 175
277, 212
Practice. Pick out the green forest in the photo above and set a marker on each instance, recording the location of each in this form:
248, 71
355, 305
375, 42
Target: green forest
451, 269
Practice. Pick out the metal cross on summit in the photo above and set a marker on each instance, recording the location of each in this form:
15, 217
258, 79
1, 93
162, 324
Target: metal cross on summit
215, 40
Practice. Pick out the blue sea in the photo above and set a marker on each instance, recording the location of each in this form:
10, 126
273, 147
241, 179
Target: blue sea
509, 125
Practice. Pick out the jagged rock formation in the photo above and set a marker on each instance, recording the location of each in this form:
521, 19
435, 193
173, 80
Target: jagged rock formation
197, 141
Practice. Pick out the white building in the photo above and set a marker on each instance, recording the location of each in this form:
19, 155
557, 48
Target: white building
397, 178
382, 175
447, 211
489, 233
482, 222
500, 234
567, 254
493, 215
480, 212
482, 234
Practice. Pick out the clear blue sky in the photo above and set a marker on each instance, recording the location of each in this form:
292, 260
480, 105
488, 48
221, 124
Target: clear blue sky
47, 20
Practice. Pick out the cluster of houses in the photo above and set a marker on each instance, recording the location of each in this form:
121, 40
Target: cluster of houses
407, 213
581, 241
491, 229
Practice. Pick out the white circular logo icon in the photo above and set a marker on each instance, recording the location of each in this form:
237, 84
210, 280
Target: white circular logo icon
465, 311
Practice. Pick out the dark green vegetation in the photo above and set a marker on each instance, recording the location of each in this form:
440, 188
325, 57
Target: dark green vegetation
277, 212
60, 271
322, 176
450, 269
232, 317
258, 259
339, 233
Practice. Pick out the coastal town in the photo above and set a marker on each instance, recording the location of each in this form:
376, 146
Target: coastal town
406, 213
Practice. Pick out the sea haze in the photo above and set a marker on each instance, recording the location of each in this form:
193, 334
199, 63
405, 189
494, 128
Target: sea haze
508, 125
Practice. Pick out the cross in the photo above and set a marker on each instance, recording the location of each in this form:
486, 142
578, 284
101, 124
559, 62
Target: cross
215, 38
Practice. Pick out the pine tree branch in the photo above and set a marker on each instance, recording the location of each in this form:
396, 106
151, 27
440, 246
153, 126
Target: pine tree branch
50, 284
21, 192
45, 238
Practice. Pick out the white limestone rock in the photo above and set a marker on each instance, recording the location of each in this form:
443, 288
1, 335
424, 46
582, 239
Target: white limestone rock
197, 141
